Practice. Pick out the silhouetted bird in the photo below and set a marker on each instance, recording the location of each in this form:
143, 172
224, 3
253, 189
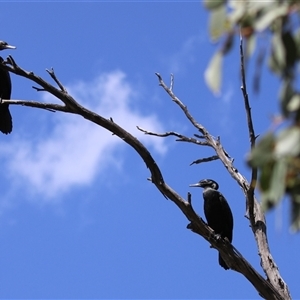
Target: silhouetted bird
217, 212
5, 91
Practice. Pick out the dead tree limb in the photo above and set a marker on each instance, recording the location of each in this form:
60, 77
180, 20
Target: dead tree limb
231, 256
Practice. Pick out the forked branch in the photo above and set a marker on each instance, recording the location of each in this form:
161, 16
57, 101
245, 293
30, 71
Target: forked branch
258, 223
231, 256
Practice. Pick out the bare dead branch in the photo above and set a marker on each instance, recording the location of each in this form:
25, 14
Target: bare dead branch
53, 76
206, 159
181, 105
181, 138
199, 136
47, 106
252, 138
172, 82
252, 206
259, 230
11, 66
73, 107
231, 257
238, 263
189, 198
38, 89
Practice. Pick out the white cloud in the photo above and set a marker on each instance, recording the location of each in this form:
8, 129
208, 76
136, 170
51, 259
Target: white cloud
225, 111
76, 150
184, 56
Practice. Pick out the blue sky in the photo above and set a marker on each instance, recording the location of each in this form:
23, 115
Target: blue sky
78, 218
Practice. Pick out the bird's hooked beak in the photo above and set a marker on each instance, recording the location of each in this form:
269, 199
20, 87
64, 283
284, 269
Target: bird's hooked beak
198, 184
9, 47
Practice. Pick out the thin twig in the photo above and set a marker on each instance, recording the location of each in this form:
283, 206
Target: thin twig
69, 101
252, 137
181, 105
189, 198
181, 138
206, 159
199, 136
172, 82
38, 89
53, 76
47, 106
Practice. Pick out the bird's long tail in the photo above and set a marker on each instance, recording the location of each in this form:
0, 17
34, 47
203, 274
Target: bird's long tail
5, 119
222, 263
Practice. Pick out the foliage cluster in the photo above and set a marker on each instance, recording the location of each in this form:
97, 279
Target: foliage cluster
271, 30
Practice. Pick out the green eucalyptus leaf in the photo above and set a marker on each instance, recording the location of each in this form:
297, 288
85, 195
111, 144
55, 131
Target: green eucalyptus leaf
273, 64
250, 45
294, 103
288, 142
238, 11
213, 73
291, 51
218, 23
277, 185
286, 94
278, 51
268, 18
295, 213
263, 151
259, 6
213, 4
228, 44
297, 41
265, 176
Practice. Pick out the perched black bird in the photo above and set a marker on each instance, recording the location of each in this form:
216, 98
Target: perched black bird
217, 211
5, 91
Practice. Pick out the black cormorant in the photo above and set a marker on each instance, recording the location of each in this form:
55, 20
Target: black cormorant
5, 91
217, 212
